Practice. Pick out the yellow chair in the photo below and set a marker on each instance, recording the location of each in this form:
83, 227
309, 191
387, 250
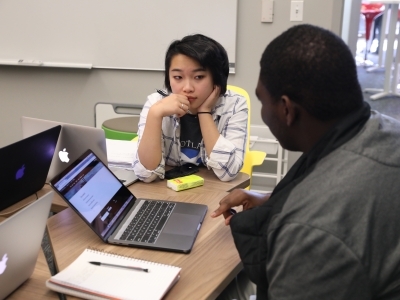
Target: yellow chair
252, 158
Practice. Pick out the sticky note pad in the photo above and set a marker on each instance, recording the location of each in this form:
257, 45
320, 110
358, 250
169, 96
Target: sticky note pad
185, 182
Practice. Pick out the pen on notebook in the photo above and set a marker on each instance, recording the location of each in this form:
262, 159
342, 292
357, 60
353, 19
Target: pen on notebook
97, 263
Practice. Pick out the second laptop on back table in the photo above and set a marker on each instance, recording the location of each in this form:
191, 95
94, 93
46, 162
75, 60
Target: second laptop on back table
73, 141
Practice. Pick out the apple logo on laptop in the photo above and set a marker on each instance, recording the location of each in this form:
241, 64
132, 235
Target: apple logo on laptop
3, 264
63, 155
20, 172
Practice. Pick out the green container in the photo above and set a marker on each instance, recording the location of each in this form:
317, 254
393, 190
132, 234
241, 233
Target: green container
118, 135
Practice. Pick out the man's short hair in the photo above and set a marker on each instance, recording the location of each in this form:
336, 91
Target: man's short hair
210, 54
314, 68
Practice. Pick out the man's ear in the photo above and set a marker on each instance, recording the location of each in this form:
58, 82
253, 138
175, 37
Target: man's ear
291, 111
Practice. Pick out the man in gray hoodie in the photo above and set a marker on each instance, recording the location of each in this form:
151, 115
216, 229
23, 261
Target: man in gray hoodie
331, 228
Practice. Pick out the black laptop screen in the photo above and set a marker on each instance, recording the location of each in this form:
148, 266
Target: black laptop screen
94, 192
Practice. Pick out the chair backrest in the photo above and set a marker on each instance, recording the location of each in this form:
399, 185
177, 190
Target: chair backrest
104, 111
251, 158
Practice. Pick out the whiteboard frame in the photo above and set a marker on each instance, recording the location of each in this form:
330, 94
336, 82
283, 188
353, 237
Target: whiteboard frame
119, 34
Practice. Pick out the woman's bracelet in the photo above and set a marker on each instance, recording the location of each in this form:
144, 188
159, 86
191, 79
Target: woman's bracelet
204, 112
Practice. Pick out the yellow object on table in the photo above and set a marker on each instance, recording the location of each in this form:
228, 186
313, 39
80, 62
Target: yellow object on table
185, 182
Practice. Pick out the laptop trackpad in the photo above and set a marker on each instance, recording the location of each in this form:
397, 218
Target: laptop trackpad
182, 224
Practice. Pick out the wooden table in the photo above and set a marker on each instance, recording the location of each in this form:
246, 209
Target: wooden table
57, 205
35, 286
206, 271
211, 184
5, 213
152, 190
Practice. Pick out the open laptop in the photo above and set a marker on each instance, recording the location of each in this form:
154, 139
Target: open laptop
25, 164
118, 217
21, 236
73, 141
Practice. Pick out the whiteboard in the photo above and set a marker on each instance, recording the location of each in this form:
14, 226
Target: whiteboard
117, 34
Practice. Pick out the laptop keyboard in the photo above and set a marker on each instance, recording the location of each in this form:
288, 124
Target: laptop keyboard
147, 224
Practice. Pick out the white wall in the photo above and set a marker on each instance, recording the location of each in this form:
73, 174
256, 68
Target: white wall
69, 95
351, 22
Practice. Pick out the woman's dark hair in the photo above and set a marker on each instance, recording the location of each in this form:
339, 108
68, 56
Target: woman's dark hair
207, 52
314, 68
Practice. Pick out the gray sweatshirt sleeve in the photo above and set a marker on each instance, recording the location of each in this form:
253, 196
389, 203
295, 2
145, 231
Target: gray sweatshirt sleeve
310, 263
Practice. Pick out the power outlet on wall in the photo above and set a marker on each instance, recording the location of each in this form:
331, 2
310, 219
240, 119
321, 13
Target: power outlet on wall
267, 11
296, 10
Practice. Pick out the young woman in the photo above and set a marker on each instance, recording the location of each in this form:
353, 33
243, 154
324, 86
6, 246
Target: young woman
196, 120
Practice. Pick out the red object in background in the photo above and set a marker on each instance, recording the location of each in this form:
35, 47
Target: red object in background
370, 11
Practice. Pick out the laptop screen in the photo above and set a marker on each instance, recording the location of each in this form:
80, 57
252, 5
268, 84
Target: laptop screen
94, 192
25, 165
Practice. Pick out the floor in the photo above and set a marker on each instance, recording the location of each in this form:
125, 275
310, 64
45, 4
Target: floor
390, 105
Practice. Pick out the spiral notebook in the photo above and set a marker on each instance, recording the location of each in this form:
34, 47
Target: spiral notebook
89, 281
